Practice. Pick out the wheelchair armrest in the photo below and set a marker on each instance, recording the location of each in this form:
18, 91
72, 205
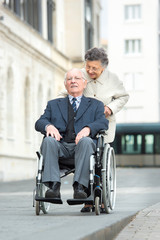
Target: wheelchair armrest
103, 132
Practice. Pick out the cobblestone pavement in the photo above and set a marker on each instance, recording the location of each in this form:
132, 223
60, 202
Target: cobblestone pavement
137, 189
145, 226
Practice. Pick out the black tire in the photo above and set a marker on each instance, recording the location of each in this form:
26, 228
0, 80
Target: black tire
108, 178
44, 206
37, 208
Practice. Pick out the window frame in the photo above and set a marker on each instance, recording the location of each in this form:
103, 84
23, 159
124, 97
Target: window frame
133, 12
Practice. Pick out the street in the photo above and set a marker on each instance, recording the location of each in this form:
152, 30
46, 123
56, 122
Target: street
137, 188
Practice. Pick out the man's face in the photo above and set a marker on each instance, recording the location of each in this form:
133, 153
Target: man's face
74, 83
94, 68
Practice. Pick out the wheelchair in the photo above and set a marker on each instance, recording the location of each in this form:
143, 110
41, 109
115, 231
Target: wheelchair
102, 183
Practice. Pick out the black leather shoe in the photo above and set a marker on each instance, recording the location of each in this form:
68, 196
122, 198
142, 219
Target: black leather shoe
54, 192
102, 210
79, 191
88, 209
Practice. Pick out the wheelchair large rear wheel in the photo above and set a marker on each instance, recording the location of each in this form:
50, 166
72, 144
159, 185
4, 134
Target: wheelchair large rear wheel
108, 178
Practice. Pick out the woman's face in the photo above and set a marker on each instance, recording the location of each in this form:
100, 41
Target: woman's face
94, 68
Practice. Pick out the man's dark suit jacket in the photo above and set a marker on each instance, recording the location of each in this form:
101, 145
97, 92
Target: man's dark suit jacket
90, 113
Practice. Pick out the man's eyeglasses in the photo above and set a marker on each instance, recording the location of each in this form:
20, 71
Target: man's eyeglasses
75, 78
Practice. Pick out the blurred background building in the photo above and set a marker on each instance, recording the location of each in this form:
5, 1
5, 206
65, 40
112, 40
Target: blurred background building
134, 54
39, 41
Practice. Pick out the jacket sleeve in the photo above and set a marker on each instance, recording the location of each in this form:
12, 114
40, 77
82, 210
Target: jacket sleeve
100, 122
120, 96
44, 120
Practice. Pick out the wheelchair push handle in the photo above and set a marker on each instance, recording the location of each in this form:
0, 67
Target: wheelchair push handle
102, 132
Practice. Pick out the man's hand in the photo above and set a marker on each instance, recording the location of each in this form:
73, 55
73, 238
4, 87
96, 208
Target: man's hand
83, 133
53, 132
107, 111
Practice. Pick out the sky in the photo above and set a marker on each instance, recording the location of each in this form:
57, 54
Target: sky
104, 19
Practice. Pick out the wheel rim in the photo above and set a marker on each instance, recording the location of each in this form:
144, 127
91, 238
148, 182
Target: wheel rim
112, 180
108, 178
105, 196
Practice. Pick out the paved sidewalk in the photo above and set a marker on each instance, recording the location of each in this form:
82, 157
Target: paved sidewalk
137, 189
145, 226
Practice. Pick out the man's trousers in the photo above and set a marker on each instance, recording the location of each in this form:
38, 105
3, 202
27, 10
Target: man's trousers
52, 150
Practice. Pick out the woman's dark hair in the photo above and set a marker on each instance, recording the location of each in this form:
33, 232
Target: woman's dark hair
95, 54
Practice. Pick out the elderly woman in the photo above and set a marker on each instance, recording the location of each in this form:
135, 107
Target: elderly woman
106, 87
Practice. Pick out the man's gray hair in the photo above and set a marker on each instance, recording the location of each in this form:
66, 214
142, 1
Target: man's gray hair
95, 54
83, 76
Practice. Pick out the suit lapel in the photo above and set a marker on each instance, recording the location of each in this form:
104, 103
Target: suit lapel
63, 106
85, 103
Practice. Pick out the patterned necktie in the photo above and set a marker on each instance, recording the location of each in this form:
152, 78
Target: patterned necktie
74, 104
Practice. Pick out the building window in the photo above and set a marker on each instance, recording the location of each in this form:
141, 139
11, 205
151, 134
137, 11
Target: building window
34, 14
50, 9
157, 143
88, 25
131, 144
133, 46
137, 144
134, 81
132, 12
149, 143
29, 11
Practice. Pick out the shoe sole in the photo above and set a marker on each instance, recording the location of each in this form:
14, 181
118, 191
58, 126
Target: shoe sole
80, 196
52, 196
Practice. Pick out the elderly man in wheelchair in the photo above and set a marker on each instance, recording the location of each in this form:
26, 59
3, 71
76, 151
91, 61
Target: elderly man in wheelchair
70, 126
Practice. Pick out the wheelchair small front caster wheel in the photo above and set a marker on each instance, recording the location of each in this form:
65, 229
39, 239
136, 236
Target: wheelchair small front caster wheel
37, 208
97, 207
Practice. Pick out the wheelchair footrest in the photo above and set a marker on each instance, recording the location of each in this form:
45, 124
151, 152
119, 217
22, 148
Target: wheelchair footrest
89, 201
51, 200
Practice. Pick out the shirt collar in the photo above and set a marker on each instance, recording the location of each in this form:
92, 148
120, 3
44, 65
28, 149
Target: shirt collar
78, 98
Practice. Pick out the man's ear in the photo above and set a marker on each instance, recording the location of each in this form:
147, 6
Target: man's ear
65, 84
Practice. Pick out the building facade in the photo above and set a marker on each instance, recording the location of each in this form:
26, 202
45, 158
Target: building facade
39, 41
134, 53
